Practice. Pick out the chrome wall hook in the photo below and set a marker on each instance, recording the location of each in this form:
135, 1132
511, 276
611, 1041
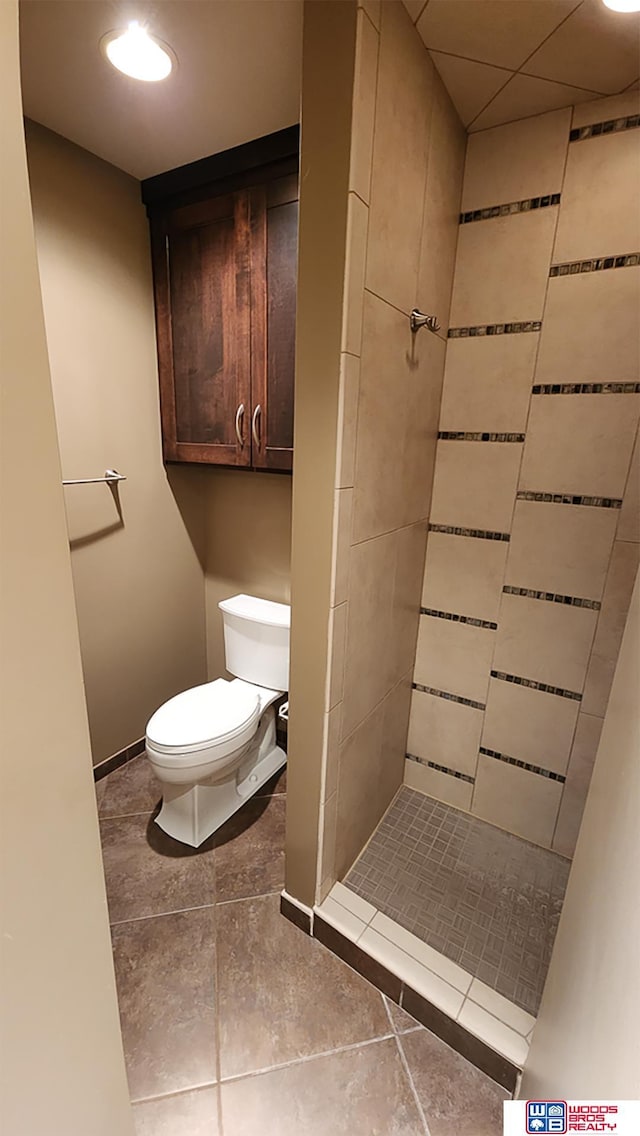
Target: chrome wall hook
418, 319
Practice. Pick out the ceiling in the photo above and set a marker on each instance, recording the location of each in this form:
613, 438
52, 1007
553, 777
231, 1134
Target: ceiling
506, 59
238, 74
238, 77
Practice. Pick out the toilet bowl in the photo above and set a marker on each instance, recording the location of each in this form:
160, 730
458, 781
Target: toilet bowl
213, 746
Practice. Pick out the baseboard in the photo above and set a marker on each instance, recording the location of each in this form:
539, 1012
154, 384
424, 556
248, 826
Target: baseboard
117, 759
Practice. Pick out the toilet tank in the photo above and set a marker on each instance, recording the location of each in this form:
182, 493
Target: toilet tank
256, 640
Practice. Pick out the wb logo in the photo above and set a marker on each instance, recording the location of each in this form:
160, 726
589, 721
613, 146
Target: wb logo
546, 1116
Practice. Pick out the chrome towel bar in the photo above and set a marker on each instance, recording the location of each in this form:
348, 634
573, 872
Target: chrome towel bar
110, 476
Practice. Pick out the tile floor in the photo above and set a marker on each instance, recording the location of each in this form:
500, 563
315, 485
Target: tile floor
235, 1022
487, 900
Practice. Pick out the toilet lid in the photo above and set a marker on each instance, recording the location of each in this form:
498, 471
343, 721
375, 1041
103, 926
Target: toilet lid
214, 712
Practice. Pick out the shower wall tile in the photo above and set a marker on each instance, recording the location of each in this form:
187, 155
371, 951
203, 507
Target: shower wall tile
475, 484
342, 512
560, 548
577, 444
398, 406
347, 420
332, 731
603, 110
586, 333
564, 434
440, 785
615, 605
410, 544
488, 382
520, 160
454, 657
400, 148
337, 638
356, 254
490, 251
547, 642
464, 575
441, 207
530, 725
583, 755
600, 169
373, 10
328, 827
364, 106
629, 523
370, 772
368, 665
447, 733
515, 799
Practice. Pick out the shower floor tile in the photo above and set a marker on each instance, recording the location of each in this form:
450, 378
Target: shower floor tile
487, 900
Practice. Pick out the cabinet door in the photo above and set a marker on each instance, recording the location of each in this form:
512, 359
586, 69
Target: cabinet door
203, 298
274, 271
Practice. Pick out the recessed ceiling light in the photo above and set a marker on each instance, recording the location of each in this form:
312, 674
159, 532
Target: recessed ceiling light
623, 5
137, 53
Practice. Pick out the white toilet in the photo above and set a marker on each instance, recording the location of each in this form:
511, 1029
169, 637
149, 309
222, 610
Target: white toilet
214, 746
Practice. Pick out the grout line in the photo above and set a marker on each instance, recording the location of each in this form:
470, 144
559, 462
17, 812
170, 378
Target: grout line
409, 1076
384, 300
124, 816
525, 61
216, 1004
310, 1056
176, 1093
160, 914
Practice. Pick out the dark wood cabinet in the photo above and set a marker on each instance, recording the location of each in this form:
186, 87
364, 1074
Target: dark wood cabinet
224, 265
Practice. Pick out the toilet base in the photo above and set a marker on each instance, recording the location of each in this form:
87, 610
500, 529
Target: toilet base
192, 813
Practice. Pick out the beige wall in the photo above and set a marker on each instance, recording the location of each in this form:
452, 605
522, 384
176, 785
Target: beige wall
62, 1064
404, 192
138, 579
327, 87
248, 524
586, 1043
534, 534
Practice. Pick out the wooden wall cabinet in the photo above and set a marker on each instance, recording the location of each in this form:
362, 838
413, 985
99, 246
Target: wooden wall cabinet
224, 266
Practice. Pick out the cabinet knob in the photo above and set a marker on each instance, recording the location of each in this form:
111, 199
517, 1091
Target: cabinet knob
239, 418
254, 426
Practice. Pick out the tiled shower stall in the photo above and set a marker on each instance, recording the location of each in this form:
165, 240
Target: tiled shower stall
507, 443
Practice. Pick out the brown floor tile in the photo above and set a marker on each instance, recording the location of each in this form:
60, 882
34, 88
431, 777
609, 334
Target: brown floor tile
457, 1099
148, 873
281, 995
359, 1092
189, 1114
249, 855
165, 973
401, 1021
130, 789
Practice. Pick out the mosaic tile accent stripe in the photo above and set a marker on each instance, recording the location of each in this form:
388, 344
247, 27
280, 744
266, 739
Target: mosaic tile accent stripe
611, 126
523, 765
510, 208
570, 499
479, 534
459, 618
441, 768
494, 329
586, 388
448, 697
470, 436
530, 682
551, 597
598, 264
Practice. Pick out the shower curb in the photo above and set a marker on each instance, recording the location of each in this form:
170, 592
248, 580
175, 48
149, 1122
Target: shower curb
483, 1056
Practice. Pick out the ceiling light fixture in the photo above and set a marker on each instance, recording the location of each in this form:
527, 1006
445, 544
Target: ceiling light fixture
138, 54
622, 5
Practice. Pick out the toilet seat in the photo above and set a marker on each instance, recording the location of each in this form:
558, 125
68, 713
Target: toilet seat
220, 716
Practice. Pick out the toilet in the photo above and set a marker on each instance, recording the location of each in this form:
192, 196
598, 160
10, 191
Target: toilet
212, 747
